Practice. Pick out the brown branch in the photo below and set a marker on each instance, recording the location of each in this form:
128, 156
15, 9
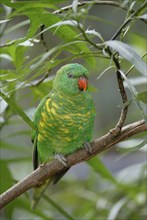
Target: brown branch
110, 3
94, 2
124, 110
115, 131
42, 38
45, 171
134, 14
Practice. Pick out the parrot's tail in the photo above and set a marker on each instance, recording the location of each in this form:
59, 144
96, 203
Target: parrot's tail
39, 191
58, 176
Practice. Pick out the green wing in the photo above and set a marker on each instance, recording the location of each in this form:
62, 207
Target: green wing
36, 120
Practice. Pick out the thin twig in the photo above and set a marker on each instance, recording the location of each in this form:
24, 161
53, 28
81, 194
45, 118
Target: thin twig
42, 79
87, 38
130, 69
42, 38
122, 91
48, 170
97, 2
7, 44
94, 2
115, 131
128, 20
55, 205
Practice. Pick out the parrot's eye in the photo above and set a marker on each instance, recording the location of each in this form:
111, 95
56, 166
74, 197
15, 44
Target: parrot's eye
70, 75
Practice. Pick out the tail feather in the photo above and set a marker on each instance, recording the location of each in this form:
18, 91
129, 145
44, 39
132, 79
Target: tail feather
39, 191
58, 176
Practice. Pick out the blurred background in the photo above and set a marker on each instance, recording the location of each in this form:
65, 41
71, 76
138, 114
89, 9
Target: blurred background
114, 181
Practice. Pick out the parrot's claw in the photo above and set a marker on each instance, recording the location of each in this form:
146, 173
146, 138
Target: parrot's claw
87, 147
61, 158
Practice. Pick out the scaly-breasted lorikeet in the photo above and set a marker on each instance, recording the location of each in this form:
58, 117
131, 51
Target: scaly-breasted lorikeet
64, 120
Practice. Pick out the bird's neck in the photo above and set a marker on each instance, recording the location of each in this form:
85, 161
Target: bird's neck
78, 98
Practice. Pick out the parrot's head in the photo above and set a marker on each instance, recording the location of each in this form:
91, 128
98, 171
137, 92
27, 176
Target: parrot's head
71, 79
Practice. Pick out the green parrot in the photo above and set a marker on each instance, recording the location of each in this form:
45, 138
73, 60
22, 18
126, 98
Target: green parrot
64, 121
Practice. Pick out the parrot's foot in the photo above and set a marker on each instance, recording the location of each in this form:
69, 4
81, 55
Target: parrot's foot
87, 147
61, 158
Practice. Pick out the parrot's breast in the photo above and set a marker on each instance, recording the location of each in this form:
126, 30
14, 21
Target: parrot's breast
64, 126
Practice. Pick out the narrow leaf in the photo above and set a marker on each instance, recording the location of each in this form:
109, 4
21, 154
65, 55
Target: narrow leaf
74, 6
58, 208
100, 168
144, 16
142, 96
94, 32
4, 21
134, 148
17, 109
113, 214
58, 24
129, 54
134, 93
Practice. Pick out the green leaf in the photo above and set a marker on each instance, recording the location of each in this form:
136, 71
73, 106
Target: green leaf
142, 96
144, 16
7, 74
97, 34
19, 133
16, 26
21, 207
116, 209
131, 149
134, 93
42, 89
38, 17
59, 208
74, 6
100, 168
67, 34
11, 146
5, 177
129, 54
16, 108
4, 21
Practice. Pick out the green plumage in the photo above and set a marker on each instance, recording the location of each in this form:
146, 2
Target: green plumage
65, 118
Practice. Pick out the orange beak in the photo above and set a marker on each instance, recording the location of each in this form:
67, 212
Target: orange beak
83, 83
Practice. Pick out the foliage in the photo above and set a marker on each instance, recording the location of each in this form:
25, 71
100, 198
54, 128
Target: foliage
36, 41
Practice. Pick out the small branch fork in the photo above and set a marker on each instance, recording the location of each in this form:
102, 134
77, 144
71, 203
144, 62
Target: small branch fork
94, 2
48, 170
115, 131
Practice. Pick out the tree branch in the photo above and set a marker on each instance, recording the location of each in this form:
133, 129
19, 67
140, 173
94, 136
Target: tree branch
135, 13
104, 2
94, 2
115, 131
48, 170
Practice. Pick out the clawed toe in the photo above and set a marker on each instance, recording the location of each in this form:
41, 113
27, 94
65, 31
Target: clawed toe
61, 158
88, 147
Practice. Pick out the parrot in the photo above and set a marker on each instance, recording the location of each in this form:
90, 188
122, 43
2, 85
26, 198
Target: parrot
64, 121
